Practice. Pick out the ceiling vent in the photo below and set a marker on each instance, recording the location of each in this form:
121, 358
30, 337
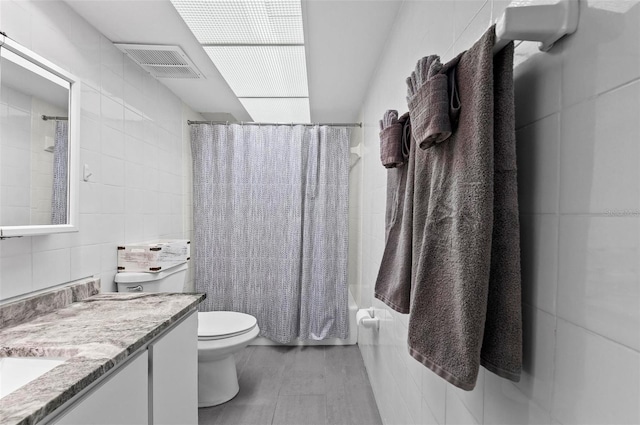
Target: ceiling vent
161, 61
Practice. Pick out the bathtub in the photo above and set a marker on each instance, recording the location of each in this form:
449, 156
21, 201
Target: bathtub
353, 332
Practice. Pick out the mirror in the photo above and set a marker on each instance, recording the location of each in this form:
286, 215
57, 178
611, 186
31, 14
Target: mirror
39, 104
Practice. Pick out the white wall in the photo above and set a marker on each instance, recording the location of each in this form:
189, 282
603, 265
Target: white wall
578, 133
355, 198
131, 138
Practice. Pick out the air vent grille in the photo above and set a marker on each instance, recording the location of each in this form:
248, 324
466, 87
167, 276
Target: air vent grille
172, 72
161, 61
156, 57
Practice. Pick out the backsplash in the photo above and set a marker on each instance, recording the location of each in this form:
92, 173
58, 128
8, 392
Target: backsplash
29, 308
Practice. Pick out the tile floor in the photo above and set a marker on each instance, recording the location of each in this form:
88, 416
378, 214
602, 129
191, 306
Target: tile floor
298, 386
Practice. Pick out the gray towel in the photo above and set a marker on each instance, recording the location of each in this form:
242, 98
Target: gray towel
428, 102
502, 342
393, 284
465, 264
391, 140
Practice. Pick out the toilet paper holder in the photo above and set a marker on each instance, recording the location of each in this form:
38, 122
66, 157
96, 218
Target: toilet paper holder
366, 317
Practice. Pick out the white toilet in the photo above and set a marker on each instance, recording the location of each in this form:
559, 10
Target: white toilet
220, 334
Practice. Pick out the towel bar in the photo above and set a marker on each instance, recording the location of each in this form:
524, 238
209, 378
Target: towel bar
531, 21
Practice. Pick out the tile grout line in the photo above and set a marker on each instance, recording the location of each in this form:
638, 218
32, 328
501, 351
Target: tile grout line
595, 96
594, 333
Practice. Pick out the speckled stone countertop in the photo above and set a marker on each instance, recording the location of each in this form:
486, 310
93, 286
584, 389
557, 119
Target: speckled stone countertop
94, 335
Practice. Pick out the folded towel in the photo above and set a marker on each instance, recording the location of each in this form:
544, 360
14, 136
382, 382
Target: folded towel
463, 261
391, 140
428, 102
398, 198
393, 284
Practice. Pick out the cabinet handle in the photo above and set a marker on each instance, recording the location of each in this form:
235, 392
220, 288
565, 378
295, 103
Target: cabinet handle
135, 288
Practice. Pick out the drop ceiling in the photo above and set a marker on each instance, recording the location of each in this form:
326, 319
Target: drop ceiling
343, 41
258, 47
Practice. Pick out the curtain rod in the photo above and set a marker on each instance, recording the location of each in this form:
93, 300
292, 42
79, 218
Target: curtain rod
48, 117
332, 124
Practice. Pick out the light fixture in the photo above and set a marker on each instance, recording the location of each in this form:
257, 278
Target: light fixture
243, 21
258, 47
262, 71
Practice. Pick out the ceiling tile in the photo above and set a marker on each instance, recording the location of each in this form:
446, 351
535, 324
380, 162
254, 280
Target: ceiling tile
262, 71
243, 21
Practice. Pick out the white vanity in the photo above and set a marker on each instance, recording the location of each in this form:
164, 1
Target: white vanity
123, 359
155, 386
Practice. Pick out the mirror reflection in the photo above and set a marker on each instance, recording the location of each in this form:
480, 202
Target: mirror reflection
34, 154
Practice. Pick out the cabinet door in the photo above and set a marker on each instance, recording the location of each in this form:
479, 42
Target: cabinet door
122, 399
174, 375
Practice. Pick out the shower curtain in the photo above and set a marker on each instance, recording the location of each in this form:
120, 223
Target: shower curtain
60, 184
270, 206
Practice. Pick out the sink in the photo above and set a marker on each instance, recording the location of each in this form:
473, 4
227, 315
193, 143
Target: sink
18, 371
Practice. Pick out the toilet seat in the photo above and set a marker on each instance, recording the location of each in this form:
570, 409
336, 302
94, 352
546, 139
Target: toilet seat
214, 325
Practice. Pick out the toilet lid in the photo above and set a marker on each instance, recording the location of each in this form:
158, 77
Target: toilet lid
224, 324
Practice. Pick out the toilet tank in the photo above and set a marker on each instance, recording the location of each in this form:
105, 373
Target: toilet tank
169, 280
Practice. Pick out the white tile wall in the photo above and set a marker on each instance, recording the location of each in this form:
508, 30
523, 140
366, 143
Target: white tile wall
355, 197
596, 380
130, 125
538, 156
598, 285
51, 267
539, 260
578, 158
590, 166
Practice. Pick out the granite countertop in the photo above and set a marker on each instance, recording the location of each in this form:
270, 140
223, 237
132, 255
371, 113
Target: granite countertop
94, 335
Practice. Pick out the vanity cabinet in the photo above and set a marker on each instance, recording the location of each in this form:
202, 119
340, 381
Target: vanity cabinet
121, 398
157, 386
173, 362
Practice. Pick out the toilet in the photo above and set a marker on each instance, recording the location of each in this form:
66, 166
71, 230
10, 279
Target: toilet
220, 334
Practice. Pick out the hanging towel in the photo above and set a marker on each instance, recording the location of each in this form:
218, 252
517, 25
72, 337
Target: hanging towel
502, 342
393, 284
428, 102
453, 256
391, 140
454, 98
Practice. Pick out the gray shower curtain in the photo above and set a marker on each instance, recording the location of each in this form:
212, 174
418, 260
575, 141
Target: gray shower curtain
271, 226
60, 181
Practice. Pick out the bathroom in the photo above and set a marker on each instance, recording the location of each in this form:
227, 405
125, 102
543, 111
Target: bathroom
578, 185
